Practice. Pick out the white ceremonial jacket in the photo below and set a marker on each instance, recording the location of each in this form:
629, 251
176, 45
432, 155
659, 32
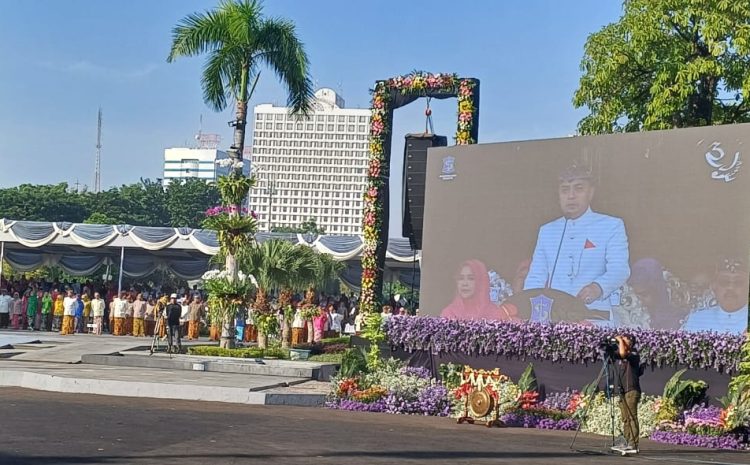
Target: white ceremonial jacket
716, 319
594, 249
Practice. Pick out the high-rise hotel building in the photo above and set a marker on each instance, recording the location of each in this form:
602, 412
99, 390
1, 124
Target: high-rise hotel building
313, 167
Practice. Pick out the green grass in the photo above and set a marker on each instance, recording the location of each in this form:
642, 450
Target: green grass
336, 340
326, 358
251, 352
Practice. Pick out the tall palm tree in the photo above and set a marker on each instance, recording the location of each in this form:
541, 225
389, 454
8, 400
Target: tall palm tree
239, 40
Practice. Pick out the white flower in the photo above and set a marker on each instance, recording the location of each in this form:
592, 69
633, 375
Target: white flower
211, 274
255, 169
224, 162
238, 165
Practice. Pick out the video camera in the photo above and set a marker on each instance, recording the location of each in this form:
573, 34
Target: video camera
609, 345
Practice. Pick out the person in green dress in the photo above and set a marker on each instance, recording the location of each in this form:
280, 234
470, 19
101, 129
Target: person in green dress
47, 304
32, 305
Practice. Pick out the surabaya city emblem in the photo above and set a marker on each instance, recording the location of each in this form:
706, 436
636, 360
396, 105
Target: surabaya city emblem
541, 308
449, 168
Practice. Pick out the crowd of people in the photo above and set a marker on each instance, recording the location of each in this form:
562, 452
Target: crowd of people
90, 308
75, 308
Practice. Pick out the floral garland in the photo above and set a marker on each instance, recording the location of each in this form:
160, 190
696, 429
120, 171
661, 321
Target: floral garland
562, 342
419, 83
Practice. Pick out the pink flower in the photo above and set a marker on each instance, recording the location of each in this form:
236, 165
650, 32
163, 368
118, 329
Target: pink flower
464, 117
369, 219
253, 214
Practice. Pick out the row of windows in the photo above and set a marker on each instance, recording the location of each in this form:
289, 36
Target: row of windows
261, 193
302, 217
314, 168
275, 135
263, 200
295, 194
310, 186
351, 216
308, 154
324, 178
306, 144
309, 127
317, 118
279, 163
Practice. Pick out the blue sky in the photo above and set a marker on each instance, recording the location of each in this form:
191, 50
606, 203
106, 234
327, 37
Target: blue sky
62, 59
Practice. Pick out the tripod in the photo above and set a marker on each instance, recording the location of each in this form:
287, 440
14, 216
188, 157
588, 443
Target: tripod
156, 341
604, 372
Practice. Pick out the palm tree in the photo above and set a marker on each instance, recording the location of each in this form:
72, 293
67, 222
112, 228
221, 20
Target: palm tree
239, 40
302, 272
326, 269
276, 264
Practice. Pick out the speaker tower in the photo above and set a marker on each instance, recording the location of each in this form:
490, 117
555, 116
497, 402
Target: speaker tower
415, 168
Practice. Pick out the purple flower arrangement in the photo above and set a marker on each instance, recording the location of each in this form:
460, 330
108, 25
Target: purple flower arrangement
562, 342
698, 440
558, 400
419, 372
521, 419
432, 401
701, 426
704, 420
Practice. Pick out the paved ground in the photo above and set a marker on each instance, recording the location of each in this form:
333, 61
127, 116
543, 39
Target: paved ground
42, 428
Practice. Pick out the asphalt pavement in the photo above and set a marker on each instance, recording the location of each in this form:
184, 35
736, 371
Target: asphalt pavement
47, 428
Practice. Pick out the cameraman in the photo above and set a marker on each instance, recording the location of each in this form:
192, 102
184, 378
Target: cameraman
627, 373
174, 312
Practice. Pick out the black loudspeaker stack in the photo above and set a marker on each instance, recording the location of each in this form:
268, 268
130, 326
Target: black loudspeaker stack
415, 168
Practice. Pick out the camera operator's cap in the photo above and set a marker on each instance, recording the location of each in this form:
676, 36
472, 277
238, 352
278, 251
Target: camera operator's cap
577, 170
173, 296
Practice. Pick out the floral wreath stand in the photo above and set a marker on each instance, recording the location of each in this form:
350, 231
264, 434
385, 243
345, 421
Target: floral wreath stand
386, 97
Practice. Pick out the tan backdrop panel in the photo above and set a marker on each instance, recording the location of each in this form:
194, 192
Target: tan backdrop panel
684, 206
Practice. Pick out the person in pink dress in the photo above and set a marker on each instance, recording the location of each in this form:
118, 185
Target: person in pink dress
472, 300
319, 324
17, 311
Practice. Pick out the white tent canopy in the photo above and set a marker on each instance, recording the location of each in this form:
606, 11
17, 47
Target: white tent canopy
80, 249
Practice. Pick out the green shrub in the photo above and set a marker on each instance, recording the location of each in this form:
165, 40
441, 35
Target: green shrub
450, 374
251, 352
327, 358
353, 362
336, 340
528, 382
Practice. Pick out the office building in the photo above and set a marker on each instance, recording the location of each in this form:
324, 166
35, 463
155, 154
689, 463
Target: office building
313, 167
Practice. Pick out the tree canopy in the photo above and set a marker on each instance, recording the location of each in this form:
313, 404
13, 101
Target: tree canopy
310, 226
146, 203
667, 64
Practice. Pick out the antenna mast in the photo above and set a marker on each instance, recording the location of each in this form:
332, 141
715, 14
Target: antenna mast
97, 169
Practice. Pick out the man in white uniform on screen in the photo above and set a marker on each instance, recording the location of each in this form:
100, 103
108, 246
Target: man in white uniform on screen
729, 313
583, 253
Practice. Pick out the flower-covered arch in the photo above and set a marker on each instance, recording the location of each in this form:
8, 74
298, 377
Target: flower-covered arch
387, 96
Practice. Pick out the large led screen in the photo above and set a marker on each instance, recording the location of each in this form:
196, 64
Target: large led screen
646, 230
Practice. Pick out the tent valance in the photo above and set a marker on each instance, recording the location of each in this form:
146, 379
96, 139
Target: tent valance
80, 249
